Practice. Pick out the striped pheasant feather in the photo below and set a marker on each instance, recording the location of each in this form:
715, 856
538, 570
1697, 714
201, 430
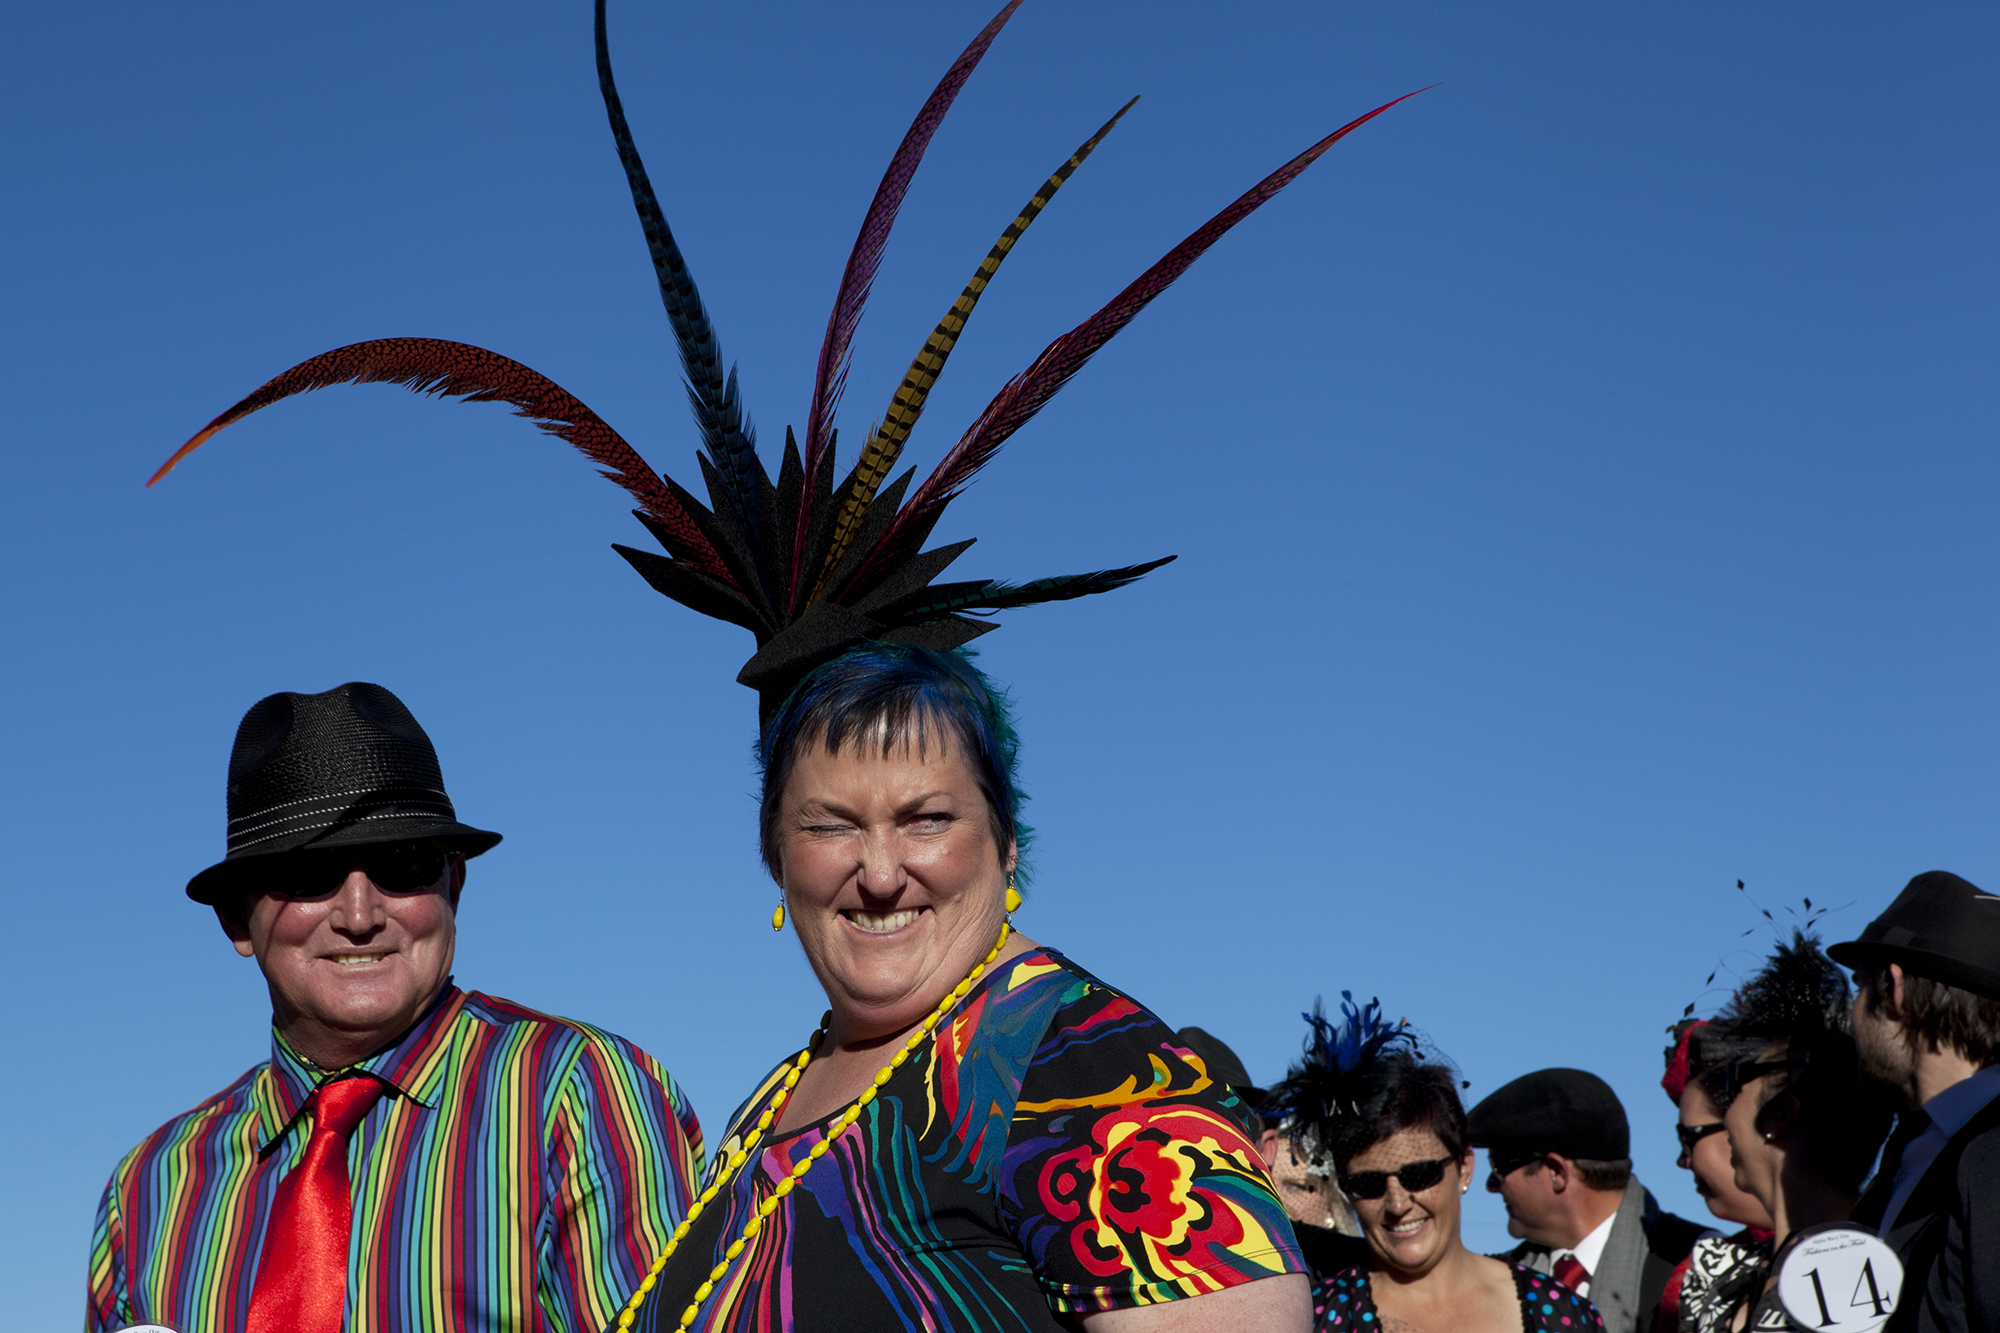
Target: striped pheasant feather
881, 452
859, 276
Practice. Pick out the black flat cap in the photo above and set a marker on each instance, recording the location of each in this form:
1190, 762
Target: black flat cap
1223, 1064
1567, 1111
1940, 927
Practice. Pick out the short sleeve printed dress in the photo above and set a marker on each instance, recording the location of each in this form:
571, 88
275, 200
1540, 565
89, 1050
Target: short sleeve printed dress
1343, 1302
1052, 1153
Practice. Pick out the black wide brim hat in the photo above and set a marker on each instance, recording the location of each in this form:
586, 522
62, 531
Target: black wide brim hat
312, 772
1941, 927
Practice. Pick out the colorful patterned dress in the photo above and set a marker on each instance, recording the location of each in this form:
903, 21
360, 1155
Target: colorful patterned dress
1053, 1152
1343, 1302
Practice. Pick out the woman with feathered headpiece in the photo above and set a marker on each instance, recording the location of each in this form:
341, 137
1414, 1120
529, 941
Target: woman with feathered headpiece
1379, 1105
979, 1134
1803, 1126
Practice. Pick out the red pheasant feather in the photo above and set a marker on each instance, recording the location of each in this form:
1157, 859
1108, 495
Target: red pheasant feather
460, 370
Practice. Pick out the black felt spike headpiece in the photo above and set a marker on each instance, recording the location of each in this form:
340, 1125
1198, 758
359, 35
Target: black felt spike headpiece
809, 565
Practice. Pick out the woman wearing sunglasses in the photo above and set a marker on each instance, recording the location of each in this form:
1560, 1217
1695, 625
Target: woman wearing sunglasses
1705, 1154
1382, 1105
1801, 1124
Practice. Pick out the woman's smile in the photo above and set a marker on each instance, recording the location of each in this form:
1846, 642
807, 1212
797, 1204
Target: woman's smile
883, 923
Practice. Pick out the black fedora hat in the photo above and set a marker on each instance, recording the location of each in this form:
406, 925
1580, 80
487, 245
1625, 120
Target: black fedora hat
1941, 927
340, 769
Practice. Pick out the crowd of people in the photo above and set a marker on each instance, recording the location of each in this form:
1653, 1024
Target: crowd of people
1785, 1099
978, 1133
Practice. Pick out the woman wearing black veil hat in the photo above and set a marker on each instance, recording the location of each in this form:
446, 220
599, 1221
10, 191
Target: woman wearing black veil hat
979, 1134
1381, 1104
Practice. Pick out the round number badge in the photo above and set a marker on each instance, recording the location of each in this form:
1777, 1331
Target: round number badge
1839, 1278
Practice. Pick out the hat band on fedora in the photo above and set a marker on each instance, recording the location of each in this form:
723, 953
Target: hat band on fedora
297, 818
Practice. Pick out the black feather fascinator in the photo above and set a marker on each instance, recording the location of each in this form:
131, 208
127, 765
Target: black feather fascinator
1800, 996
1799, 993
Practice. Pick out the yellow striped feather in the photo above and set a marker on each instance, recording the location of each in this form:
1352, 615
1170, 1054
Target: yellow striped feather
886, 440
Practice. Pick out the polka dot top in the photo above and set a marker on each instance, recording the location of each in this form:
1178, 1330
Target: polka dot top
1344, 1303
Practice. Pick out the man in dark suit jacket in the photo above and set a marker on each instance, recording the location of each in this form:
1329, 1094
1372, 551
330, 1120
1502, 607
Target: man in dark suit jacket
1927, 1022
1561, 1152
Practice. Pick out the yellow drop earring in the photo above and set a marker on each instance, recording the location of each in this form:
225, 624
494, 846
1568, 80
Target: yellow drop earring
1013, 897
778, 912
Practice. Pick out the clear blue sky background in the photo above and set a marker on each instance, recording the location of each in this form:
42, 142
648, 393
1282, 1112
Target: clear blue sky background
1583, 480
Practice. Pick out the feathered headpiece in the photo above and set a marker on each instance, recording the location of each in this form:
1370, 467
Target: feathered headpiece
1347, 1067
809, 565
1800, 993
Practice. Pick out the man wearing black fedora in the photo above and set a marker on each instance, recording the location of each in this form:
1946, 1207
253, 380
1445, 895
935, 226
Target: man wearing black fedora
1927, 1022
412, 1156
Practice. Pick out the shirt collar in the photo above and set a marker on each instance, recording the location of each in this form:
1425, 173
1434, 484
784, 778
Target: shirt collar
413, 1065
1952, 1109
1591, 1248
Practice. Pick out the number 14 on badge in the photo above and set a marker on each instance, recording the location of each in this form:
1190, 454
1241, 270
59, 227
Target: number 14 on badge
1840, 1278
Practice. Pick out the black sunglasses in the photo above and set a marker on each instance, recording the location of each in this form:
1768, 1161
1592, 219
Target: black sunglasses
1416, 1178
395, 867
1735, 1077
1507, 1163
1689, 1135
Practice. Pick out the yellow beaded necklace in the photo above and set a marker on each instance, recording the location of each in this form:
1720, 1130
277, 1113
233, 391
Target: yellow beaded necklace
837, 1126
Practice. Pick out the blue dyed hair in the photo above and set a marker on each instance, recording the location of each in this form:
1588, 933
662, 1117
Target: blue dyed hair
899, 693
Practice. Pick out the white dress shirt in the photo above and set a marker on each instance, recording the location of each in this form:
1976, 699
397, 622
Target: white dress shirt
1949, 1112
1588, 1251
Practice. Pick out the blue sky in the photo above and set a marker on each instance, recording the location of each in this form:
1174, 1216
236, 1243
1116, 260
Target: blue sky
1581, 479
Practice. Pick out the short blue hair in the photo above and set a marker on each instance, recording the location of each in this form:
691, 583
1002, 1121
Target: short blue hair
901, 692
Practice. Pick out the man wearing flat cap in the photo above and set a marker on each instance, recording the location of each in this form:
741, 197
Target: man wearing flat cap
412, 1156
1927, 1022
1560, 1149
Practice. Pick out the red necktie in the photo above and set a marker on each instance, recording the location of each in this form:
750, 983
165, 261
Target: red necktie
1569, 1271
301, 1282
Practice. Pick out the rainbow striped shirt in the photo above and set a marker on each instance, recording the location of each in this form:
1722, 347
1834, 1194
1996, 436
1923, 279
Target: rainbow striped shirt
521, 1174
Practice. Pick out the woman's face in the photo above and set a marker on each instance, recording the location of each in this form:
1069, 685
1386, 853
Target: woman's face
1409, 1232
891, 877
1714, 1171
1756, 1161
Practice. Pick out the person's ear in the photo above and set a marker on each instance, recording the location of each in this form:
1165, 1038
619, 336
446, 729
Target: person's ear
1468, 1162
1012, 859
455, 875
1779, 1116
1895, 995
237, 928
1560, 1171
1267, 1148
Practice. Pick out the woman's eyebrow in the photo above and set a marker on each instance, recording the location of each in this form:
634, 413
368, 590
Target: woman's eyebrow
913, 805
